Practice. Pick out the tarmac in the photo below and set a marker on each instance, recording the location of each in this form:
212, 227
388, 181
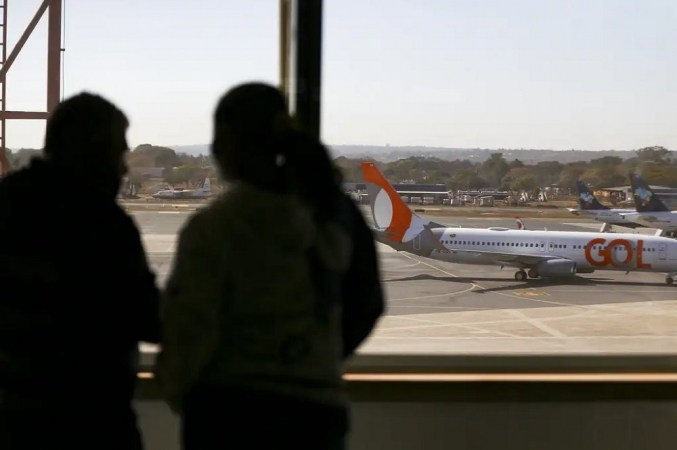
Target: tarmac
444, 308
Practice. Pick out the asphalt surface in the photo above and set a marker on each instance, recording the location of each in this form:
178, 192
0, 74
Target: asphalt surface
435, 307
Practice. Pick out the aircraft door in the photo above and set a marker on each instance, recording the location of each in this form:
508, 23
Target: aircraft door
672, 251
542, 246
662, 251
417, 242
551, 246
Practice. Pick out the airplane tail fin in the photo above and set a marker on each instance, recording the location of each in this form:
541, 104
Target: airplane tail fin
520, 224
391, 215
586, 199
645, 198
207, 186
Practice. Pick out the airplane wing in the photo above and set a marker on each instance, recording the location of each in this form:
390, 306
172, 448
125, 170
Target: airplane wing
184, 194
507, 258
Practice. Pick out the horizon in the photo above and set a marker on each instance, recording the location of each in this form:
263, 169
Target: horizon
527, 74
396, 147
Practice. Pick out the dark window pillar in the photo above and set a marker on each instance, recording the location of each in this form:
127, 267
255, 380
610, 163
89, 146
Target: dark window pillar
306, 50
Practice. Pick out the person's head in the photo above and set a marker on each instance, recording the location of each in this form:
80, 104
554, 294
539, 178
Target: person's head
244, 131
256, 140
88, 133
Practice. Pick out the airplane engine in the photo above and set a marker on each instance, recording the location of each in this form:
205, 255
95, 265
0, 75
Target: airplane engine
554, 268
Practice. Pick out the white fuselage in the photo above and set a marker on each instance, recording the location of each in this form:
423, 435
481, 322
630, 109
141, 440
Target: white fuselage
591, 251
186, 194
611, 216
662, 220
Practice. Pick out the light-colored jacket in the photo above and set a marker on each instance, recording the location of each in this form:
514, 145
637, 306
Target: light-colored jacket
240, 306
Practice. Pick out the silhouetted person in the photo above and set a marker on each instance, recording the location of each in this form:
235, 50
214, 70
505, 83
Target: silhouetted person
76, 292
276, 283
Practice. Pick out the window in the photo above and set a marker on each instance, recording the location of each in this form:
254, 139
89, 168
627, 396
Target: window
434, 115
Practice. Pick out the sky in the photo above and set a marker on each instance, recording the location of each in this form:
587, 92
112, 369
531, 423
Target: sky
576, 74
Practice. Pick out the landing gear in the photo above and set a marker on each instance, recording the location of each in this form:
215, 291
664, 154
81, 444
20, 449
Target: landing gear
520, 275
669, 280
533, 273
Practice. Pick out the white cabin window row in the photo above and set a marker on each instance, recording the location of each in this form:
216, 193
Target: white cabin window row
541, 244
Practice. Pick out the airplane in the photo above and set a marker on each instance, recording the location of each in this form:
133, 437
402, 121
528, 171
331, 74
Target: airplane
521, 226
591, 208
202, 192
548, 254
650, 210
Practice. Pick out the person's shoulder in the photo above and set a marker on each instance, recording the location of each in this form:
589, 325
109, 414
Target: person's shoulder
206, 218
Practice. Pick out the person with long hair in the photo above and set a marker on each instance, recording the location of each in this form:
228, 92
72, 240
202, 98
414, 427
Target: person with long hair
275, 284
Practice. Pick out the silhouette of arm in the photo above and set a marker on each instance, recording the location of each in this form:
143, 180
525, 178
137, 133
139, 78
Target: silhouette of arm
189, 312
363, 301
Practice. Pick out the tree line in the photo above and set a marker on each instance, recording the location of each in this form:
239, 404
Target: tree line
656, 164
176, 168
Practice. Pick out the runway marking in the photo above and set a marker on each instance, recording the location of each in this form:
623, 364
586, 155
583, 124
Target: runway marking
531, 292
568, 338
596, 308
433, 296
536, 323
402, 267
623, 291
442, 325
475, 285
469, 308
169, 212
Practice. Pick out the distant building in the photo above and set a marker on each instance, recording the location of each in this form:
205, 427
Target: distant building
666, 194
496, 194
430, 193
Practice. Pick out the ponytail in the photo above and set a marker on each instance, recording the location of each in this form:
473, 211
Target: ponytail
259, 142
306, 167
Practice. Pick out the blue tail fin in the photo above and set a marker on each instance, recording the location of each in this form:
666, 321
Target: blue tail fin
586, 199
645, 198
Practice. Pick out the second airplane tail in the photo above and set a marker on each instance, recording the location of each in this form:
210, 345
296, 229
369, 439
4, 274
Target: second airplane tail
645, 198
